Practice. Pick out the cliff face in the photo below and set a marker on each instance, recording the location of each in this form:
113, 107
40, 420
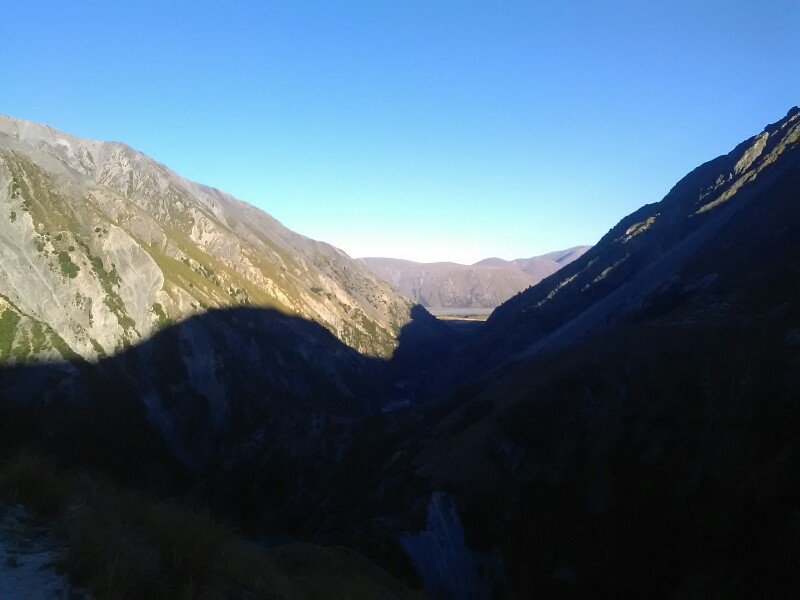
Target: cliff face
100, 246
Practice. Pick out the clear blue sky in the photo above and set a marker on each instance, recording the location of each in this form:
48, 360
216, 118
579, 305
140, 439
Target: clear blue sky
427, 130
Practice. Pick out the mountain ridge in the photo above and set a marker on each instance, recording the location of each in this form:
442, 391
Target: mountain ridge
124, 245
486, 283
645, 244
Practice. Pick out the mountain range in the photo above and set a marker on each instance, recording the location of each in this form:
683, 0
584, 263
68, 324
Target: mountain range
626, 426
485, 284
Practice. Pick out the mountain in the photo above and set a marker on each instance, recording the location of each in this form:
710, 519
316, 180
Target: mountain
634, 429
485, 284
642, 253
100, 246
175, 338
627, 426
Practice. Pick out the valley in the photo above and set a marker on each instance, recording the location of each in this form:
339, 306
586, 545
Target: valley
623, 424
468, 289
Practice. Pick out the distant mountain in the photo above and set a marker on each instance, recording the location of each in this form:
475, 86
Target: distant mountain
100, 246
485, 284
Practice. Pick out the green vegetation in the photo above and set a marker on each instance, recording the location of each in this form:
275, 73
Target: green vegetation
38, 338
239, 295
163, 319
208, 273
183, 273
68, 268
13, 216
46, 206
22, 349
110, 280
97, 348
62, 347
8, 328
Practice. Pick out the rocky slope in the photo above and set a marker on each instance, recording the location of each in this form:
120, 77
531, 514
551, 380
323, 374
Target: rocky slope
100, 246
485, 284
643, 441
643, 252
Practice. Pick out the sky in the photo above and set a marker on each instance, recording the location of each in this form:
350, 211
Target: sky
428, 130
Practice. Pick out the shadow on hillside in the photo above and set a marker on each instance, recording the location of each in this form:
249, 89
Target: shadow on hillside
230, 384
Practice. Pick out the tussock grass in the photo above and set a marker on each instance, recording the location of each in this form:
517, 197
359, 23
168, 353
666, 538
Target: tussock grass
32, 480
126, 544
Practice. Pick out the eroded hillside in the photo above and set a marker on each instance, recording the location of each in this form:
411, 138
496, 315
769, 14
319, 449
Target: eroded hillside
100, 246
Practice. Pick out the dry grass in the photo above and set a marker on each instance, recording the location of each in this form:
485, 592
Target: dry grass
124, 544
32, 480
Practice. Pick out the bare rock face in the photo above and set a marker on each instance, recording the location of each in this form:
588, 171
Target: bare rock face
101, 246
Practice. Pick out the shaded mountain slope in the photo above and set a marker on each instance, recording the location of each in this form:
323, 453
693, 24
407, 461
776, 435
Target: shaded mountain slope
657, 454
101, 245
485, 284
229, 385
642, 252
268, 418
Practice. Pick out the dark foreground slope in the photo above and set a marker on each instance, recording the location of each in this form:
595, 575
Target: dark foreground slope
228, 386
659, 456
263, 417
654, 452
635, 433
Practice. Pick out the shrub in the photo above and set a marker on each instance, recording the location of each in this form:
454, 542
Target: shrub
68, 268
31, 480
